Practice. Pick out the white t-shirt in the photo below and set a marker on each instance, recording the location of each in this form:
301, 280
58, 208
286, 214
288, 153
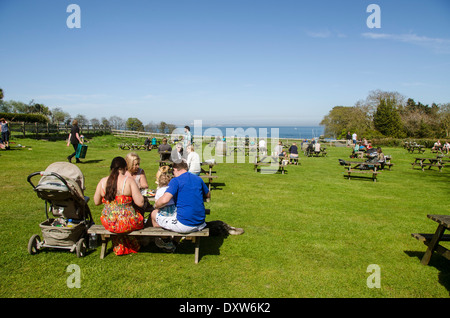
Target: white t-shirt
193, 162
159, 193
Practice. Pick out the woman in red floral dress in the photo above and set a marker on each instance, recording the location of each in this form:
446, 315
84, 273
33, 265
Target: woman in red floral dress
118, 193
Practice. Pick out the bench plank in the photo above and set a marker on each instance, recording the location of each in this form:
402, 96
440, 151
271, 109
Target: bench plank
149, 231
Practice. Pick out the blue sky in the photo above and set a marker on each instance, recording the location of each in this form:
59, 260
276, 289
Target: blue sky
255, 62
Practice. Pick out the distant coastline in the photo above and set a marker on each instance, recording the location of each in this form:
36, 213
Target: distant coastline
294, 132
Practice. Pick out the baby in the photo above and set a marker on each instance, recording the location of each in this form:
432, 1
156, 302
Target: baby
163, 182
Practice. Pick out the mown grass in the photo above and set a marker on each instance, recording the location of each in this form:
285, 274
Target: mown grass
308, 233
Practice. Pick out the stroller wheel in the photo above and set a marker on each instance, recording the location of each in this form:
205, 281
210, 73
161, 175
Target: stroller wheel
33, 244
81, 248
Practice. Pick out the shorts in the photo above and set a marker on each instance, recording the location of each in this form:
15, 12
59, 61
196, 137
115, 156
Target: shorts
294, 155
172, 224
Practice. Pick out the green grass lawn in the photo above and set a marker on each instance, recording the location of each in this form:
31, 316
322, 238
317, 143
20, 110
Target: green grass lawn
308, 233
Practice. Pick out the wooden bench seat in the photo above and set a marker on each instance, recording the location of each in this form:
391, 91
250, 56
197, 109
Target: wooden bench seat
268, 164
210, 178
149, 231
374, 173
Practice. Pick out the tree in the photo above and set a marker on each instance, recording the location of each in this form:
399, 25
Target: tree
387, 119
105, 122
134, 124
95, 122
116, 122
59, 116
162, 127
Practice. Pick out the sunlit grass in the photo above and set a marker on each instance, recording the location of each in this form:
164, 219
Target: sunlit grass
308, 233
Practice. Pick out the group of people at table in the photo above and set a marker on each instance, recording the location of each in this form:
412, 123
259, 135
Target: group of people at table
178, 204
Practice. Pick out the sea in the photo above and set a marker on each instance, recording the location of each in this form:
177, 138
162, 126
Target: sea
293, 132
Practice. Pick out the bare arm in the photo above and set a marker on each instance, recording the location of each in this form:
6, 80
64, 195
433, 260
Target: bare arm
98, 193
162, 201
138, 199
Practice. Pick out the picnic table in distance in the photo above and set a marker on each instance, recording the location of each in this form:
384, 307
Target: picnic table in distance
268, 161
361, 167
432, 162
411, 147
132, 147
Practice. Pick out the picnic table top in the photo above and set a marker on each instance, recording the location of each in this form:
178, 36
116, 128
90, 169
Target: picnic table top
441, 219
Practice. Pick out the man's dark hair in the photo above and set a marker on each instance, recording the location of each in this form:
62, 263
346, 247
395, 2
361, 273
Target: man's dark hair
180, 165
188, 128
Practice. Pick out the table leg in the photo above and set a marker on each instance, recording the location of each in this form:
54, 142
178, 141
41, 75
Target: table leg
197, 248
432, 246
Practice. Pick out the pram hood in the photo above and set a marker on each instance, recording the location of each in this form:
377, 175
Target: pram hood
71, 174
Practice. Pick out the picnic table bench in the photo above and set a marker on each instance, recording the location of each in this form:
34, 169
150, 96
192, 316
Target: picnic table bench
419, 148
432, 240
149, 232
273, 162
361, 168
210, 178
132, 147
433, 162
313, 153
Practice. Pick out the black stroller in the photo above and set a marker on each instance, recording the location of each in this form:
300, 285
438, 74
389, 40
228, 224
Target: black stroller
62, 188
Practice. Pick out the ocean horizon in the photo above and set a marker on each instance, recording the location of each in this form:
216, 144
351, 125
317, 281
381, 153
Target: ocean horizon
294, 132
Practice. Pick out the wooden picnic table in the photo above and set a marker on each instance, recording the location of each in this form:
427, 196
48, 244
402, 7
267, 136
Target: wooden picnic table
419, 148
267, 161
210, 164
432, 240
362, 167
433, 162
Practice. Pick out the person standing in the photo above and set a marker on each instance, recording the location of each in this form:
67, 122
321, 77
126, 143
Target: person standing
74, 139
354, 137
349, 139
5, 132
187, 138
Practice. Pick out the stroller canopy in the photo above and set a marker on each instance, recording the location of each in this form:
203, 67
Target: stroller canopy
71, 174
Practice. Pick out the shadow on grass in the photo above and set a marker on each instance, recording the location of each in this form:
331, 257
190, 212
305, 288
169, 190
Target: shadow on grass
437, 261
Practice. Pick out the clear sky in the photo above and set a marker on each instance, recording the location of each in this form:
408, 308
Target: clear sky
256, 62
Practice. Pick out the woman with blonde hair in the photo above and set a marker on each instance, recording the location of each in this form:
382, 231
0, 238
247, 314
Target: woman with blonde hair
135, 172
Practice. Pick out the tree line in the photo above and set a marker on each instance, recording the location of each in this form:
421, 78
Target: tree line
59, 116
388, 114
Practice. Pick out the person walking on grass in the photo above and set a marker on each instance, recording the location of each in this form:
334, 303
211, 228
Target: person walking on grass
74, 139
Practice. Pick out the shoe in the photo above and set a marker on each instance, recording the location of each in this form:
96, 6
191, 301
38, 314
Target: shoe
166, 246
70, 159
78, 161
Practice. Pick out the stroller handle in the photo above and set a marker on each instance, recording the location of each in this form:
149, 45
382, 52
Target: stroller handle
43, 173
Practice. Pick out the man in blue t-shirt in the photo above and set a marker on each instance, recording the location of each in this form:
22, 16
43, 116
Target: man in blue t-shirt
188, 192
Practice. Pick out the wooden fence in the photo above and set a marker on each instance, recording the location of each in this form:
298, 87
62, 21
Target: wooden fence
38, 130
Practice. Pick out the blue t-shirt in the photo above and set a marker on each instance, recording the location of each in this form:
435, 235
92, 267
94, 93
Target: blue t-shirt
188, 191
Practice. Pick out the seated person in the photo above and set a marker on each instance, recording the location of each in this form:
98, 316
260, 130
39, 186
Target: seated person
279, 150
164, 147
119, 194
437, 145
446, 147
317, 147
293, 151
193, 161
380, 157
135, 172
187, 191
177, 153
147, 143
